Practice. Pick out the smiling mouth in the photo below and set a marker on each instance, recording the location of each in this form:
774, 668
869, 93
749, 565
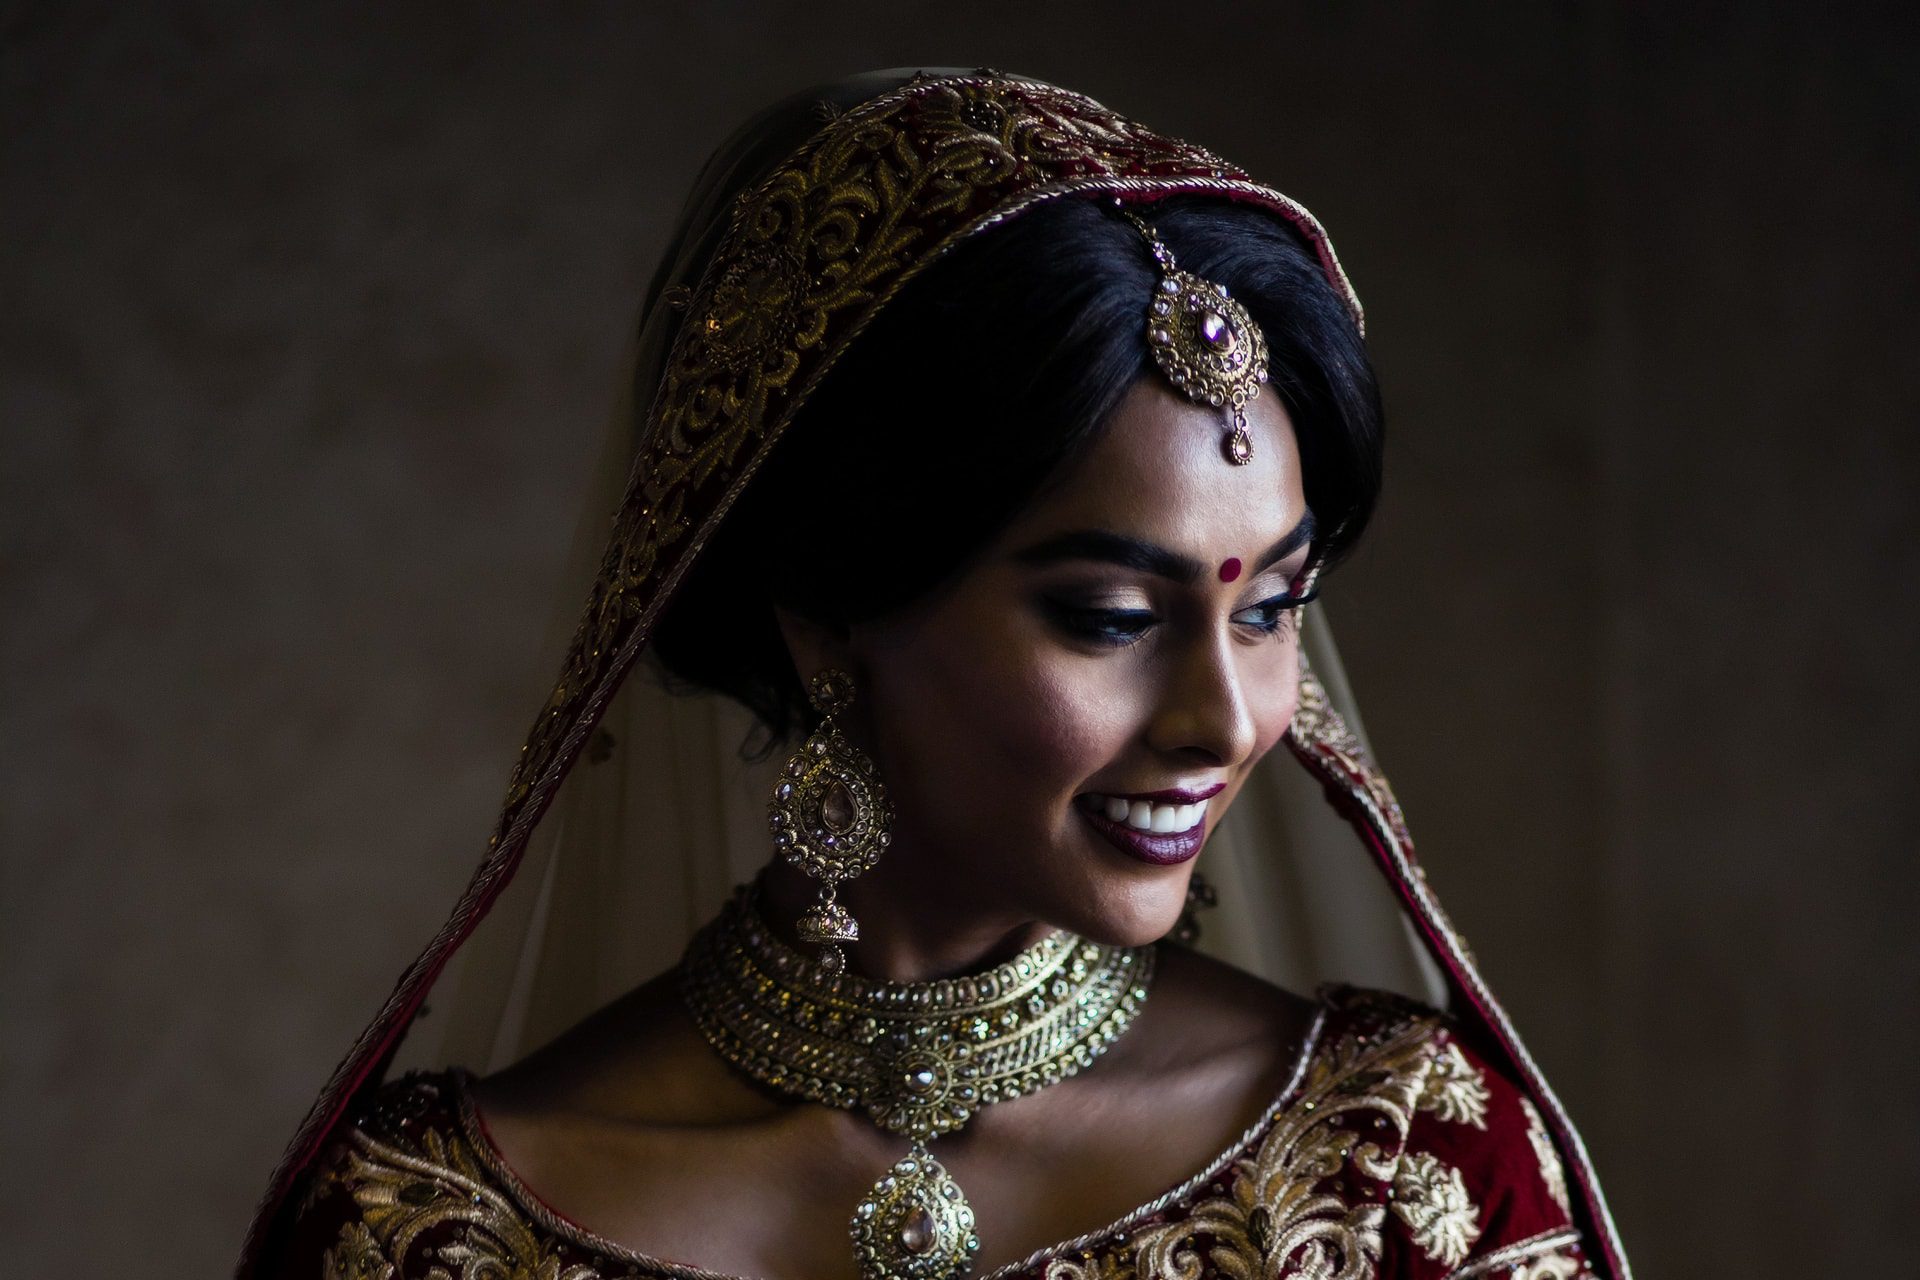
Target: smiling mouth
1163, 828
1161, 818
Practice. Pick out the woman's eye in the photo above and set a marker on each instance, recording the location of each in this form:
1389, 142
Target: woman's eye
1271, 616
1103, 626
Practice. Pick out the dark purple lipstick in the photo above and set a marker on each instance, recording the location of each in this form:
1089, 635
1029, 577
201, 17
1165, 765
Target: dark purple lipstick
1163, 849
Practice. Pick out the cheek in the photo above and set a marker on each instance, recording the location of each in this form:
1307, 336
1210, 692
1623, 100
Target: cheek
1001, 718
1064, 718
1276, 697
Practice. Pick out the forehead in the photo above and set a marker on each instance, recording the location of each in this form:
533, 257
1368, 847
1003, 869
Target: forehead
1158, 469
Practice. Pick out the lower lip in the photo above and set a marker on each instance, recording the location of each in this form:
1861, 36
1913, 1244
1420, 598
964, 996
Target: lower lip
1163, 850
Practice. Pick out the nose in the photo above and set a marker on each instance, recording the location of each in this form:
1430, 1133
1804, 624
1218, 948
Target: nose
1203, 712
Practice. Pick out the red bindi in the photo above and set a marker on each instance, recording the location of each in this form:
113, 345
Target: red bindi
1230, 568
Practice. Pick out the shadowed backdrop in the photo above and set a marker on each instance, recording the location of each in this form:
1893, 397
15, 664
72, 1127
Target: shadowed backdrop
312, 314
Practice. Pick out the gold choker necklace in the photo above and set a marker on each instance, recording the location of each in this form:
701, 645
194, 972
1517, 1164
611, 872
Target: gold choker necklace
920, 1057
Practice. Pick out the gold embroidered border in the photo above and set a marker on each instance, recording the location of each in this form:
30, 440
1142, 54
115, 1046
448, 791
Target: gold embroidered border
1321, 739
1512, 1255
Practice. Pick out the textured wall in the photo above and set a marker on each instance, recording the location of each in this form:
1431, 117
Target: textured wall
310, 316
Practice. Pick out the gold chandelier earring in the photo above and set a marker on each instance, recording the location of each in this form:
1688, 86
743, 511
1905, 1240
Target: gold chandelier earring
830, 817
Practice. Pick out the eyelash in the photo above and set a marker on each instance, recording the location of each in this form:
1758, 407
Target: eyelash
1121, 627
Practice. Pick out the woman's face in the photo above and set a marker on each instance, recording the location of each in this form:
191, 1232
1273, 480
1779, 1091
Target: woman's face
1120, 658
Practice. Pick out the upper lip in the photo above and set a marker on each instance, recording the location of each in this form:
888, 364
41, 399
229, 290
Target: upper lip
1173, 795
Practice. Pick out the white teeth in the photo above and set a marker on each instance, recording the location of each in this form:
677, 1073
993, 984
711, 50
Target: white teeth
1143, 815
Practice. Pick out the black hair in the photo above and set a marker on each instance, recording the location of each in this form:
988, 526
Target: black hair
969, 391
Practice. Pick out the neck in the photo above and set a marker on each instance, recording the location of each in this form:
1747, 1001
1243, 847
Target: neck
910, 930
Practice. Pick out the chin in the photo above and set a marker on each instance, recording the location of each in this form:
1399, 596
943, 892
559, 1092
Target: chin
1130, 915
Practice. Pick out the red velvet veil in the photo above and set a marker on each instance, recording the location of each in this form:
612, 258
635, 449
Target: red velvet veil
803, 227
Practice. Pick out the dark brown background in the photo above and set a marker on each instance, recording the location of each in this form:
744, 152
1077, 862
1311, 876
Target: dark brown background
308, 318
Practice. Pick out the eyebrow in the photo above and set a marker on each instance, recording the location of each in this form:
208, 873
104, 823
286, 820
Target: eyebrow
1107, 547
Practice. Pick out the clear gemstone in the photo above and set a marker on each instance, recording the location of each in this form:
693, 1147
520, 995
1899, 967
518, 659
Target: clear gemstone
917, 1230
1215, 330
920, 1079
838, 809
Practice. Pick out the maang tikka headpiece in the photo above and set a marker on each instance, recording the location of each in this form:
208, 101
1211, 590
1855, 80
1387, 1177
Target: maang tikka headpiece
1204, 341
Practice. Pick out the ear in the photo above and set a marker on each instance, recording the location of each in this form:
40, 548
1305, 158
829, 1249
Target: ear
814, 647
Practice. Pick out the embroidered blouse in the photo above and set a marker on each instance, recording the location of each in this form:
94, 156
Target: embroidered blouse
1397, 1151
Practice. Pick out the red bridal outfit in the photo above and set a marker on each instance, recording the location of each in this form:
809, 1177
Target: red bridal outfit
1416, 1137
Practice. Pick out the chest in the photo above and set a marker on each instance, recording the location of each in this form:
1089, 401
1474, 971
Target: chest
776, 1198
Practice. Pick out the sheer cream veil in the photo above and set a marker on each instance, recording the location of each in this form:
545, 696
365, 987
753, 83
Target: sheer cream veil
632, 811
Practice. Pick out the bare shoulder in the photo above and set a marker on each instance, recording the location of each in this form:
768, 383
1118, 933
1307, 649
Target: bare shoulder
1211, 1007
639, 1062
629, 1125
1226, 1039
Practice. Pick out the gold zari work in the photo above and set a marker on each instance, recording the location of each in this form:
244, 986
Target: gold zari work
1332, 1184
404, 1195
1454, 1090
1552, 1173
1355, 1110
1558, 1265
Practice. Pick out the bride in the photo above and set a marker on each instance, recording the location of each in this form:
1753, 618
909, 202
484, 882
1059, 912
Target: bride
986, 451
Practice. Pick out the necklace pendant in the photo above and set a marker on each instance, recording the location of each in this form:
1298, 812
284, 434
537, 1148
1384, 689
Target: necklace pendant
915, 1224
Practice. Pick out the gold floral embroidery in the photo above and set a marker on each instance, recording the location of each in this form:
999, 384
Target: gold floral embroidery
1552, 1172
1431, 1198
1551, 1248
1320, 736
1456, 1091
1558, 1265
403, 1195
356, 1256
1318, 729
1092, 1266
1280, 1218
